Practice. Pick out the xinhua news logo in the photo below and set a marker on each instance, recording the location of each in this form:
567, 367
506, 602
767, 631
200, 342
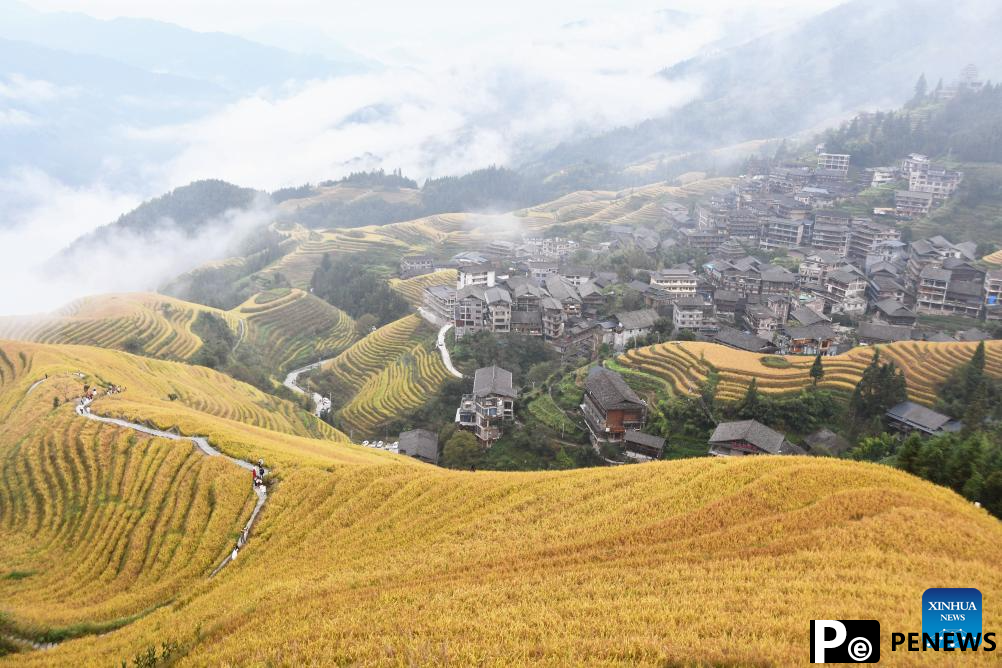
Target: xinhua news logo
845, 641
954, 614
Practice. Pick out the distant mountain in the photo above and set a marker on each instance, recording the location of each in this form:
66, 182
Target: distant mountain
76, 93
186, 209
76, 112
235, 64
861, 54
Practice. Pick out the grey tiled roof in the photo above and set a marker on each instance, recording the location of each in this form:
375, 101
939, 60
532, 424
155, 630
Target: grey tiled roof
640, 438
735, 339
806, 316
753, 431
918, 415
893, 307
497, 294
492, 380
774, 274
876, 331
819, 331
610, 390
641, 319
559, 288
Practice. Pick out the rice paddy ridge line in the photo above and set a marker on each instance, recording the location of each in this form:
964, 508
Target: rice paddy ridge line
202, 443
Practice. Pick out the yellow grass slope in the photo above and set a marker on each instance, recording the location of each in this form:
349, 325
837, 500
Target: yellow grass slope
159, 326
994, 259
685, 365
285, 326
238, 418
640, 565
634, 206
100, 524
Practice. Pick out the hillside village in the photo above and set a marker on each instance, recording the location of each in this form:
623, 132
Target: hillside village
791, 260
513, 336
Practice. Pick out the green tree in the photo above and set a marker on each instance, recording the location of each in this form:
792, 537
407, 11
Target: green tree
875, 448
991, 493
880, 387
817, 370
921, 87
977, 409
748, 407
974, 372
908, 453
462, 451
364, 324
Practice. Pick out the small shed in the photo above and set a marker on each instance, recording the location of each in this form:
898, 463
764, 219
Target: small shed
419, 444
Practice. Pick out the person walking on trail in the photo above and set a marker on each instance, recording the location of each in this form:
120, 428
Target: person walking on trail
233, 555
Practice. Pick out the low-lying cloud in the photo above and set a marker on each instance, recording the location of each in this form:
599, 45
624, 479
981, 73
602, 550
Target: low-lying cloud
47, 216
433, 110
444, 110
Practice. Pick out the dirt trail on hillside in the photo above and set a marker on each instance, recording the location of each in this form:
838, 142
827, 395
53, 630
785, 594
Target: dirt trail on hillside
83, 409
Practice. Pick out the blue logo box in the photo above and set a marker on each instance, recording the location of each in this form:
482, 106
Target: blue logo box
951, 611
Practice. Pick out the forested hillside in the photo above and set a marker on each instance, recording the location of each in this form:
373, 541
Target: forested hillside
967, 127
493, 188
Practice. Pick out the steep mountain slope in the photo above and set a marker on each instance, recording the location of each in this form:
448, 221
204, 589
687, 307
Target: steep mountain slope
100, 524
857, 55
280, 327
289, 327
186, 210
152, 324
449, 233
365, 557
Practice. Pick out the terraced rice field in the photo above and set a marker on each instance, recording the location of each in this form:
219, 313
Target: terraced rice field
399, 388
635, 206
442, 234
367, 558
412, 289
233, 414
289, 327
390, 371
449, 233
993, 258
100, 524
299, 265
159, 326
685, 365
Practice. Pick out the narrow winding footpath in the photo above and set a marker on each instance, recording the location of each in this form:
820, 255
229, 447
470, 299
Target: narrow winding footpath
202, 443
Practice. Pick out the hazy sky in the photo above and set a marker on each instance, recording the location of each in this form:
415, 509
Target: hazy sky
375, 26
463, 85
